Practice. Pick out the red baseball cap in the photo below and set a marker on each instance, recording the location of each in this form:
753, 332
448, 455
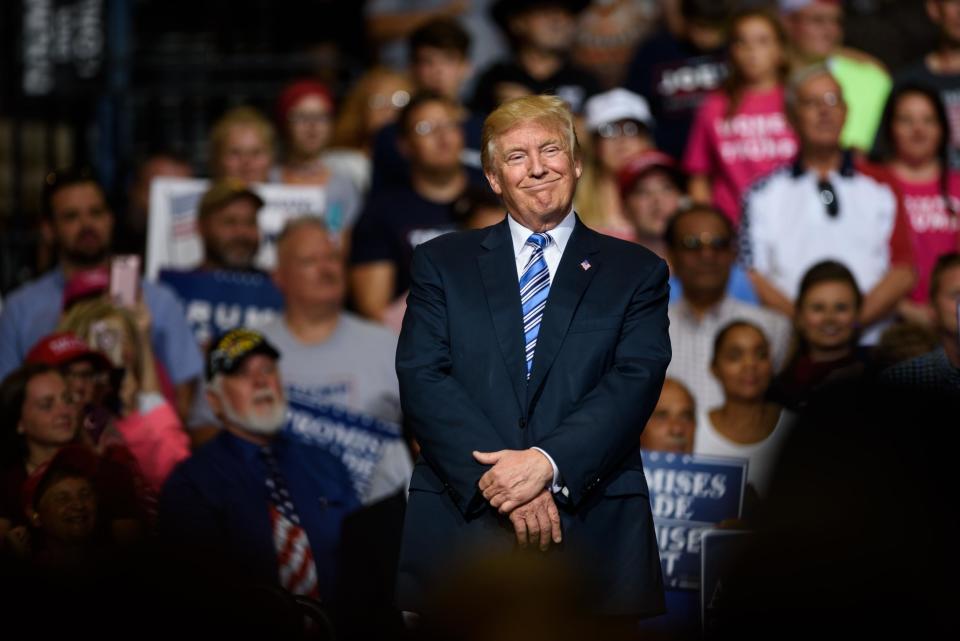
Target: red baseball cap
296, 91
86, 284
63, 348
644, 162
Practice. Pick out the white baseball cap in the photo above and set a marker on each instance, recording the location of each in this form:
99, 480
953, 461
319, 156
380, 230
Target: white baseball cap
614, 105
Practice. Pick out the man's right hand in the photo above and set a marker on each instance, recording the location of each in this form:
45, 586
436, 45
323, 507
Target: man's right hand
537, 521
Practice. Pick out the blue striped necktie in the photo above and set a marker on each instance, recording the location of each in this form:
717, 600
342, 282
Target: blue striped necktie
534, 289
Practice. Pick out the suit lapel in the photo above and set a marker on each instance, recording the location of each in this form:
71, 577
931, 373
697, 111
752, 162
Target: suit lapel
498, 269
568, 286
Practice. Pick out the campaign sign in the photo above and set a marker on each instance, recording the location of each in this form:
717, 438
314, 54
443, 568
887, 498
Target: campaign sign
356, 439
172, 237
217, 301
720, 550
689, 495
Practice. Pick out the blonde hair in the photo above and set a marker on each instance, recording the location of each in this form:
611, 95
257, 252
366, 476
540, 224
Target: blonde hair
239, 116
548, 111
351, 129
81, 317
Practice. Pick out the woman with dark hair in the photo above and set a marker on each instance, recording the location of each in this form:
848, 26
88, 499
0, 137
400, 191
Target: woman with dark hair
913, 145
741, 132
826, 335
747, 425
39, 417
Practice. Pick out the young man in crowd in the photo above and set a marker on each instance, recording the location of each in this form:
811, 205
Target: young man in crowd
395, 221
80, 222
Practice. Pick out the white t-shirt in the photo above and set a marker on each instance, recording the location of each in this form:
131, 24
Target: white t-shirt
761, 456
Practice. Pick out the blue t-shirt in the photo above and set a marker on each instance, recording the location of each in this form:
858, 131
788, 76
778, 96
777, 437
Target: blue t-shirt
33, 311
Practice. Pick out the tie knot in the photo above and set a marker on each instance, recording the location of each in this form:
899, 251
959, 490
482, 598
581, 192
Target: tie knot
538, 240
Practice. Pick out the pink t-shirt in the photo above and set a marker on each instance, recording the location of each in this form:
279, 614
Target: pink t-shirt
934, 231
735, 151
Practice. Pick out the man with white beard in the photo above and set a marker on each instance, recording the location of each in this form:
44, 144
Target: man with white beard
251, 505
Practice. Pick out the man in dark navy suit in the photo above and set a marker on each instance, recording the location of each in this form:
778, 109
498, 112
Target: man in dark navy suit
532, 355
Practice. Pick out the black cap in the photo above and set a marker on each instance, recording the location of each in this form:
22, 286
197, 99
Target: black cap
228, 352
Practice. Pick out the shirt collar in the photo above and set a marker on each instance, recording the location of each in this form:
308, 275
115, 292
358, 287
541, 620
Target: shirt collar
846, 168
559, 234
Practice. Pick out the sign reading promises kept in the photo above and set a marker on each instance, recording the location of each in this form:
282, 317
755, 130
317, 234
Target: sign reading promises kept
689, 495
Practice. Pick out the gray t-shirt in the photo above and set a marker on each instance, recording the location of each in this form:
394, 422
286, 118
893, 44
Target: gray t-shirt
348, 384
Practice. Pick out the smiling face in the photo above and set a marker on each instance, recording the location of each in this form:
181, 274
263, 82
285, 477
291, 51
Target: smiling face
535, 173
827, 317
742, 364
67, 511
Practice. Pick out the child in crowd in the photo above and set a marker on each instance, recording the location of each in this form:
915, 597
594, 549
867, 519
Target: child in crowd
741, 132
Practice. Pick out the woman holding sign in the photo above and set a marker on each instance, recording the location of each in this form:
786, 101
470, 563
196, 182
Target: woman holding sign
746, 426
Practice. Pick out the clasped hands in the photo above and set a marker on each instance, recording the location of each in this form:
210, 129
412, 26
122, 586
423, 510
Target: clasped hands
518, 485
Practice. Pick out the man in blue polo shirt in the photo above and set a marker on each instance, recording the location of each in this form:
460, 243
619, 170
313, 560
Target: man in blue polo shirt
80, 221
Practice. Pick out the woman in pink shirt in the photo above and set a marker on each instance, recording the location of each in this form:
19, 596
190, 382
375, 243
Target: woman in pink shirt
913, 144
741, 131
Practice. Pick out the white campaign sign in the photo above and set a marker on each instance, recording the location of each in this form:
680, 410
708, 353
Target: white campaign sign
172, 238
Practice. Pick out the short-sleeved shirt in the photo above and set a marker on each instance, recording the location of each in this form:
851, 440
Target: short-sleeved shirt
735, 150
692, 340
934, 228
675, 77
393, 224
786, 229
33, 311
352, 370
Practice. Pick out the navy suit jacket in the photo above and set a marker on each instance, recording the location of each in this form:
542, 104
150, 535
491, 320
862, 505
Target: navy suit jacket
601, 356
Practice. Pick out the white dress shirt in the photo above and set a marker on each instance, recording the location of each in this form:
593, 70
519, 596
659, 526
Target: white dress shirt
552, 254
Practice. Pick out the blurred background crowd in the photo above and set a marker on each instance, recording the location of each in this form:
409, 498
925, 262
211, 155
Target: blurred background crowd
795, 162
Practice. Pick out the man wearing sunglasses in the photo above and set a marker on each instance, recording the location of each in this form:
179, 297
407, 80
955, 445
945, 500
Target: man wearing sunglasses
702, 251
825, 206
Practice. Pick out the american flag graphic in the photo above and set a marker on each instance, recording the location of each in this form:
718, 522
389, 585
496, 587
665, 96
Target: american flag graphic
295, 566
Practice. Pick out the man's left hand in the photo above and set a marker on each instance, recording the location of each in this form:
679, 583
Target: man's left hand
517, 476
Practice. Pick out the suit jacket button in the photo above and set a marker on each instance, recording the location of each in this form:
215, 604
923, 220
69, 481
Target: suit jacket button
522, 422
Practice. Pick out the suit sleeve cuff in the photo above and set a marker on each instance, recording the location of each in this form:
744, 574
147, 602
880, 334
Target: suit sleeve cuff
555, 486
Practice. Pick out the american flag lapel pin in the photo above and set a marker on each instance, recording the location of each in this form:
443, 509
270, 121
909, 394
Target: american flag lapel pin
585, 265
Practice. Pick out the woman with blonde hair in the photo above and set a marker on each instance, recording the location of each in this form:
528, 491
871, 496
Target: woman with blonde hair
144, 416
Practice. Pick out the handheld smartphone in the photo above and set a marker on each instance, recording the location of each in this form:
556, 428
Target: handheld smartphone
106, 339
125, 280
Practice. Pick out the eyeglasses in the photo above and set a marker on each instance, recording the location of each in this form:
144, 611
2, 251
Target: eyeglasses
697, 243
829, 198
828, 99
627, 129
397, 100
308, 118
428, 127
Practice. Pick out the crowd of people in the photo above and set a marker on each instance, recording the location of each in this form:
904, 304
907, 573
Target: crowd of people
805, 198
